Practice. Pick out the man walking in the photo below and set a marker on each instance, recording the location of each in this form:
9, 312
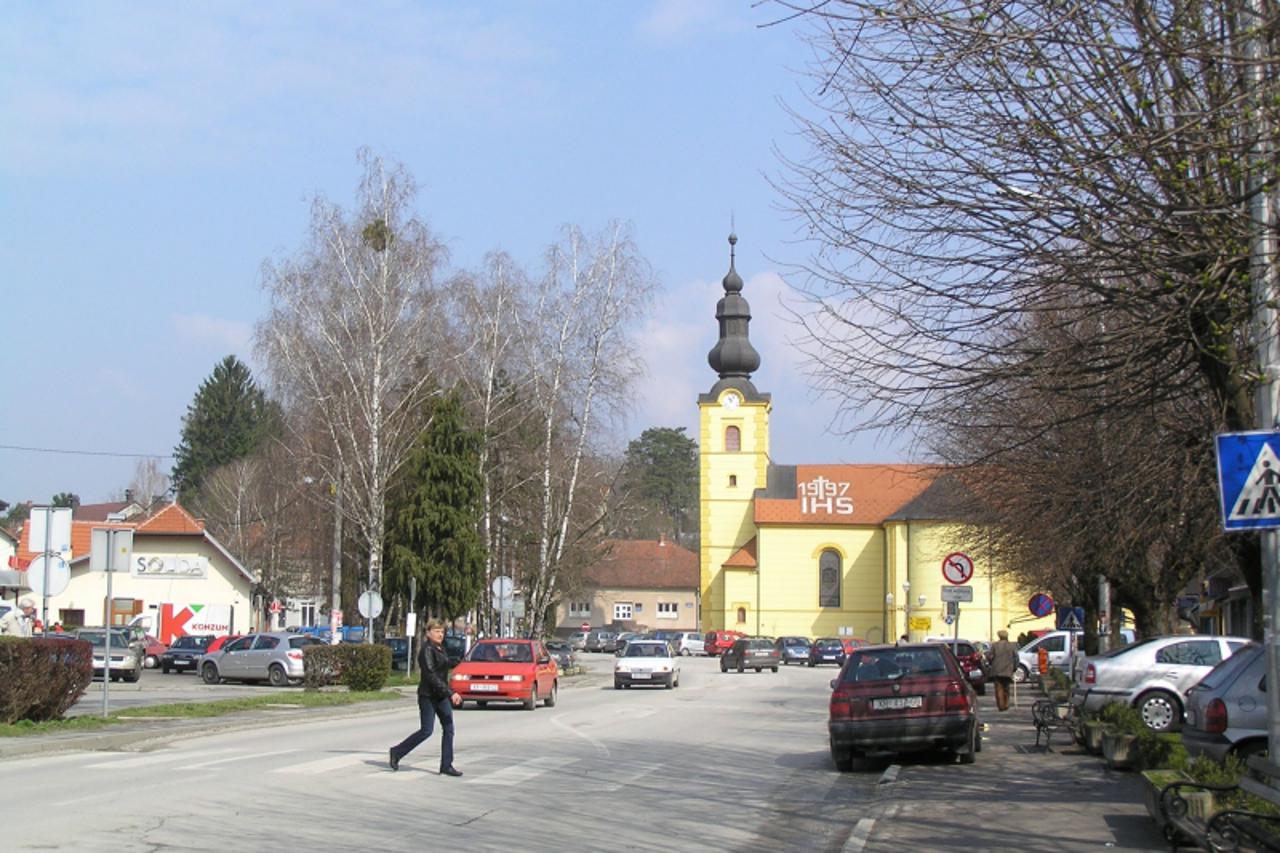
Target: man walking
18, 621
1004, 660
435, 699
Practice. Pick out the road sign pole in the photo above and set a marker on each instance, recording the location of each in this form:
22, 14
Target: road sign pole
106, 655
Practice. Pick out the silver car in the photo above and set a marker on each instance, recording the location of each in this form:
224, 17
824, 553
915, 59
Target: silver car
126, 659
274, 657
1152, 675
1227, 710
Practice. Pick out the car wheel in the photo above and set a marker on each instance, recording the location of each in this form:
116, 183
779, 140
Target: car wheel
532, 701
1020, 675
982, 690
773, 668
677, 681
1248, 749
150, 661
617, 685
165, 670
811, 663
843, 759
724, 667
1160, 711
550, 701
970, 755
133, 677
741, 668
684, 653
209, 672
482, 704
277, 676
671, 683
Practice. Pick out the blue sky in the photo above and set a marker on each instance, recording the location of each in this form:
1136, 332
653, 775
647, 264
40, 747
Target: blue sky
153, 155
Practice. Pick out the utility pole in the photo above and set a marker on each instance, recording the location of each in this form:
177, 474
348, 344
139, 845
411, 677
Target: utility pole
335, 594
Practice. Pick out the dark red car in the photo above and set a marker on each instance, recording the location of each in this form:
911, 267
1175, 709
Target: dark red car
972, 663
719, 642
902, 698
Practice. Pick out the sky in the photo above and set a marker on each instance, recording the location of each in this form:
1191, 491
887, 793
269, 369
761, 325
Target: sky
154, 155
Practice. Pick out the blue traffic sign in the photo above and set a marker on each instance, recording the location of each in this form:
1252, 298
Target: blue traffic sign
1040, 604
1249, 479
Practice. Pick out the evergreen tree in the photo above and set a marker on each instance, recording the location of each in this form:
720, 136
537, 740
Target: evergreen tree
227, 420
434, 518
661, 472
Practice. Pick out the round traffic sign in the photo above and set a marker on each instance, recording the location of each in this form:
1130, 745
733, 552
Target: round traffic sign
502, 586
957, 567
274, 607
370, 604
586, 626
1040, 604
58, 576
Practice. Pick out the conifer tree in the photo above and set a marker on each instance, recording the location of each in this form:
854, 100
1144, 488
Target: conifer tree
434, 529
226, 421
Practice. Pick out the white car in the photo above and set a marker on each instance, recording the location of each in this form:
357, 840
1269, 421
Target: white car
646, 662
688, 643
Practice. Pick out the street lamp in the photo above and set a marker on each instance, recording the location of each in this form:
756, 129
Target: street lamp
906, 605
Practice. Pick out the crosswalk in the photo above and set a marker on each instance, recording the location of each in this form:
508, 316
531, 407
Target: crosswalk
483, 769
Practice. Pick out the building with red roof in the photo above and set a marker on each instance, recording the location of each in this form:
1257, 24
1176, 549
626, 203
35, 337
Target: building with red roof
637, 584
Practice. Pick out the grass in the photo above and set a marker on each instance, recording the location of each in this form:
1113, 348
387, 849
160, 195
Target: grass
184, 710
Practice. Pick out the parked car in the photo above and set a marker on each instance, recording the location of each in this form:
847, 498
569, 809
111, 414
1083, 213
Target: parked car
793, 649
399, 652
578, 640
275, 656
507, 671
1227, 710
126, 659
902, 698
972, 663
687, 643
601, 641
718, 642
827, 650
563, 653
185, 653
756, 653
1063, 649
152, 649
646, 662
1152, 675
620, 641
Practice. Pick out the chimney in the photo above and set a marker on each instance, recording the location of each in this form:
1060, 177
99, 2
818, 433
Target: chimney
128, 496
662, 540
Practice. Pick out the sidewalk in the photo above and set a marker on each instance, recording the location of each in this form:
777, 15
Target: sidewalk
1016, 797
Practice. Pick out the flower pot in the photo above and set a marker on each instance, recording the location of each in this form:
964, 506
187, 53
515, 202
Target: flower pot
1117, 749
1093, 730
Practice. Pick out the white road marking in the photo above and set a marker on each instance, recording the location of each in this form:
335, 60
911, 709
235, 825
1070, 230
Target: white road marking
522, 772
889, 775
325, 765
148, 758
858, 838
241, 757
638, 772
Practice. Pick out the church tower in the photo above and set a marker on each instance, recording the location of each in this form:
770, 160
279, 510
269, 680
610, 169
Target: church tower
734, 462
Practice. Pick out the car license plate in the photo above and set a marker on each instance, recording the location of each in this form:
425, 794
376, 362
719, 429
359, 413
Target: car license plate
484, 688
641, 675
895, 703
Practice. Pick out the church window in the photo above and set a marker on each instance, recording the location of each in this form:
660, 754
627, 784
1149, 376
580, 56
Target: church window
733, 479
829, 579
742, 615
732, 439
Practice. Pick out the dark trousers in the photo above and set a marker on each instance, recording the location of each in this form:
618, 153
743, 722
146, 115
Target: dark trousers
428, 710
1002, 683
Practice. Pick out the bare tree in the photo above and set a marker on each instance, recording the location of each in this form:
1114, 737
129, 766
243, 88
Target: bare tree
351, 343
149, 483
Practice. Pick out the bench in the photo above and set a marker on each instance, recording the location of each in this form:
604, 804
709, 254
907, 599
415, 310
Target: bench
1049, 717
1229, 829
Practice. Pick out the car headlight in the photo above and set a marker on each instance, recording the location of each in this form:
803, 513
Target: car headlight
513, 678
460, 676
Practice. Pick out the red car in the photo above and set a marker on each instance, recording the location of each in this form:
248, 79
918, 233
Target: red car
902, 698
507, 671
718, 642
151, 651
972, 664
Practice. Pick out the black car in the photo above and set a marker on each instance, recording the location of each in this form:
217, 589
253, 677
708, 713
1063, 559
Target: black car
399, 652
562, 652
184, 653
751, 653
827, 650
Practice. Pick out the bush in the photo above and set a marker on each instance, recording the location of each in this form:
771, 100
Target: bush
359, 666
1160, 752
1122, 718
41, 678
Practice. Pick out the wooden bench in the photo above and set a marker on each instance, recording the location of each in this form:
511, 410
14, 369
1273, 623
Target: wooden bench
1229, 829
1049, 717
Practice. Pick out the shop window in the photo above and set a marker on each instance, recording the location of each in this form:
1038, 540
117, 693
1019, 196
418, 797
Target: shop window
732, 439
829, 578
668, 610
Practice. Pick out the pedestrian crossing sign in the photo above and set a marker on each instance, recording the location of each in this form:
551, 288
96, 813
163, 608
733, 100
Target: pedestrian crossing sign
1249, 479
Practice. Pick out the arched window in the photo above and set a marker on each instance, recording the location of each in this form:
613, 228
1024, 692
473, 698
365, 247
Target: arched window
742, 615
732, 439
829, 578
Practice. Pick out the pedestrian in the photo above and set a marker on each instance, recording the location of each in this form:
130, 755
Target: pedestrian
18, 621
1004, 660
435, 699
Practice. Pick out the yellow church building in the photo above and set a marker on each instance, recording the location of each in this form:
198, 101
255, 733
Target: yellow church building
829, 550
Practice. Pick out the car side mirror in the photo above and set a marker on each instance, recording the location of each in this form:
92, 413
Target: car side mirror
544, 660
833, 683
975, 673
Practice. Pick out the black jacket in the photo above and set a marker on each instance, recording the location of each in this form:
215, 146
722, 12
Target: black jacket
433, 669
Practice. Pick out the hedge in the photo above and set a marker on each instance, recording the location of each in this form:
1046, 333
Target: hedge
41, 678
360, 666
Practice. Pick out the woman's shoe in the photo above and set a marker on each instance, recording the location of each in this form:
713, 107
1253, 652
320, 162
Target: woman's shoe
393, 759
450, 771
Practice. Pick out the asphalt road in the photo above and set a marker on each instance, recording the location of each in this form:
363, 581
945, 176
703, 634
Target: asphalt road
724, 762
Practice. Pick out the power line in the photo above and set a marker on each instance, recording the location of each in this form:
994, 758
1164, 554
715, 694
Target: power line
85, 452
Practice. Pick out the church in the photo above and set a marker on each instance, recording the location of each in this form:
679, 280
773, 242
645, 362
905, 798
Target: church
821, 550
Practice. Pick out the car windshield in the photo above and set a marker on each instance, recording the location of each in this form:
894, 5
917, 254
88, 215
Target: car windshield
99, 638
828, 643
1124, 650
892, 664
498, 652
646, 650
190, 643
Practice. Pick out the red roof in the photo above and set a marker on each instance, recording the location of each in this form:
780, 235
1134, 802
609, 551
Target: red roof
171, 519
744, 557
846, 494
644, 564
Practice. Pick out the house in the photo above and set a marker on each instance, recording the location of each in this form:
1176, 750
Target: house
178, 576
636, 584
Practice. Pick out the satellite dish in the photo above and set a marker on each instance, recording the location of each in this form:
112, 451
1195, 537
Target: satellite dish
59, 575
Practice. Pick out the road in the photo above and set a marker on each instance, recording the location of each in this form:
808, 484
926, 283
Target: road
726, 761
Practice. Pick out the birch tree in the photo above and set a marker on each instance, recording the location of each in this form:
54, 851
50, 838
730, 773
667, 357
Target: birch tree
351, 342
